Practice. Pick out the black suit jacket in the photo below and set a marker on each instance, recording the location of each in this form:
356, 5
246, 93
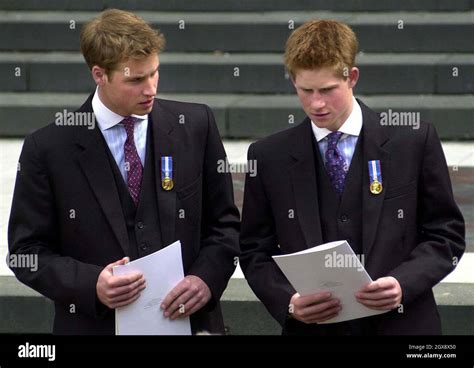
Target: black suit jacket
64, 168
418, 251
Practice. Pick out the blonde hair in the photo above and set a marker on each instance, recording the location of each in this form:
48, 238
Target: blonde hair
321, 43
117, 35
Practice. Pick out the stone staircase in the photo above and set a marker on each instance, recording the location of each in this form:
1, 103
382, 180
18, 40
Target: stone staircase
415, 56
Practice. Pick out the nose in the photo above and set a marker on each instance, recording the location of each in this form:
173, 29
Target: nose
151, 87
317, 101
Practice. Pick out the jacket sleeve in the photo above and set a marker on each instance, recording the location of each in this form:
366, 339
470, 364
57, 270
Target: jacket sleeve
220, 225
259, 242
441, 224
33, 232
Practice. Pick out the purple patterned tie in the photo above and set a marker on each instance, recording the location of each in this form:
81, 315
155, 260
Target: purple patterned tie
335, 164
133, 165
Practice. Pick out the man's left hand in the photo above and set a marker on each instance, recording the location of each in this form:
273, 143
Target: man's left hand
384, 293
190, 295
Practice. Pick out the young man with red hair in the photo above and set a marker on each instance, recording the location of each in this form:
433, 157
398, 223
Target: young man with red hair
341, 174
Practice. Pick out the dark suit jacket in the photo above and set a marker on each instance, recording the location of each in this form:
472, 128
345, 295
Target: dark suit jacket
65, 167
417, 251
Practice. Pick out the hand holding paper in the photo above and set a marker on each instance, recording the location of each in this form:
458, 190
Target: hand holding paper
118, 291
190, 295
384, 293
331, 267
314, 308
163, 270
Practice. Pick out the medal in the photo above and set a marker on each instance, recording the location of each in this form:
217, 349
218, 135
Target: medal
375, 174
376, 187
167, 184
167, 173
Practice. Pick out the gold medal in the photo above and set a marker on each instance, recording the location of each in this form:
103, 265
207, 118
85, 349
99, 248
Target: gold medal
167, 184
376, 187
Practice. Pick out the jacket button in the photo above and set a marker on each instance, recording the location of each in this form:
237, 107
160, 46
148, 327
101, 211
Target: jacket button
143, 246
140, 225
344, 218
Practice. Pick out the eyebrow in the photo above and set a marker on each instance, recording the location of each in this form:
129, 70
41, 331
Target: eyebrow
330, 86
139, 76
322, 88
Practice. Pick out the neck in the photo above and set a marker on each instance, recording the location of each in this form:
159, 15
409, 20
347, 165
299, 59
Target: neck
105, 101
345, 116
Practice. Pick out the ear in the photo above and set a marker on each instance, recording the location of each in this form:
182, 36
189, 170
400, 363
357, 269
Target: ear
353, 77
292, 80
99, 75
291, 77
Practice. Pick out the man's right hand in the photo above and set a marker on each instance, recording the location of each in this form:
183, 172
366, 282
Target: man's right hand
117, 291
314, 308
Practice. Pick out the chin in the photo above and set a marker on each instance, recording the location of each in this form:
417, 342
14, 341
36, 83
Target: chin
322, 124
144, 110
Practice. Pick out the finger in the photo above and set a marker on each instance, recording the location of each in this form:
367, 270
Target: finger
129, 295
385, 282
318, 308
179, 289
178, 304
382, 294
119, 293
120, 262
185, 308
307, 300
126, 302
193, 306
324, 316
123, 280
119, 290
328, 318
373, 286
378, 303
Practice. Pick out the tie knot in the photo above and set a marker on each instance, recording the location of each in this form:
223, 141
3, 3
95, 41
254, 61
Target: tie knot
129, 124
333, 138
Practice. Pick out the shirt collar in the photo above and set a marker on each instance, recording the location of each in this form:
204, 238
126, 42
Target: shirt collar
351, 126
105, 117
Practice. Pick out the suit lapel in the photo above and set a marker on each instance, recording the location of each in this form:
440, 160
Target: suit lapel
96, 167
303, 178
165, 144
374, 148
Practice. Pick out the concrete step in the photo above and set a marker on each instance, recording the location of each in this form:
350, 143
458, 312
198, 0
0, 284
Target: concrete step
249, 32
246, 116
24, 311
244, 73
246, 5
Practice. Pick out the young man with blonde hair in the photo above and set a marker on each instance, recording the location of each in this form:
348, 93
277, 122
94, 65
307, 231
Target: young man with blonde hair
341, 174
88, 199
